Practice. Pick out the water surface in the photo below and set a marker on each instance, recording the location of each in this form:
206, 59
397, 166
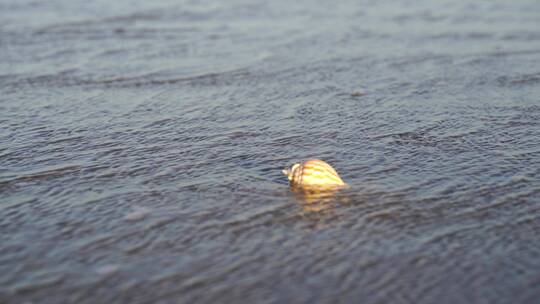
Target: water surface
143, 142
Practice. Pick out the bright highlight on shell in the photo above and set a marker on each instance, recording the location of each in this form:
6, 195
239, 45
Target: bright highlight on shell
314, 174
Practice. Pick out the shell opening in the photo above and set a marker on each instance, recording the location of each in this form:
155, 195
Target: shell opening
286, 172
289, 172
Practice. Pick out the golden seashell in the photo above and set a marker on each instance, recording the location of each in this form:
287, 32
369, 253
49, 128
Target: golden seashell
314, 174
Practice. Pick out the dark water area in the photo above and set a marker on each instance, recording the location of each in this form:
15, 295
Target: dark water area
142, 144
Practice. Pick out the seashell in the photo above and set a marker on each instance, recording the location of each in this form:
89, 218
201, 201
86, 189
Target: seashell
314, 174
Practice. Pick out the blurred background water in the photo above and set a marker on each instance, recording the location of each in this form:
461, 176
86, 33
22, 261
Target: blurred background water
142, 144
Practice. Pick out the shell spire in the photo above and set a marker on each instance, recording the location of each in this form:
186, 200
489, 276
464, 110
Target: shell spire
313, 174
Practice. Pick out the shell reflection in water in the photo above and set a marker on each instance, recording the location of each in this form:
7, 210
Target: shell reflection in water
316, 200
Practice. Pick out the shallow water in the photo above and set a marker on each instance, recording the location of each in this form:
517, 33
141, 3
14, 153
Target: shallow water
143, 142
